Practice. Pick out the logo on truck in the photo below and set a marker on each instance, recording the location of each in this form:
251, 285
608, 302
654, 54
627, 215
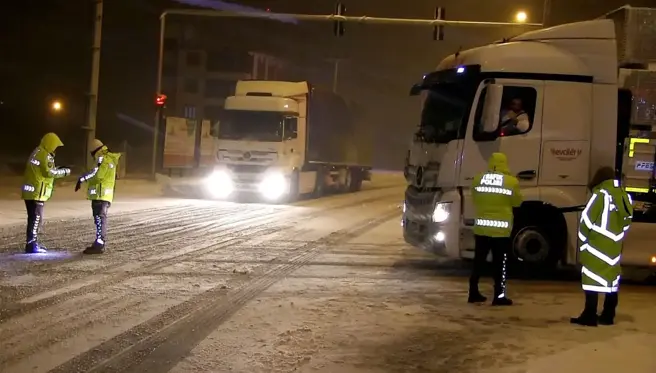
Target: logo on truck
566, 154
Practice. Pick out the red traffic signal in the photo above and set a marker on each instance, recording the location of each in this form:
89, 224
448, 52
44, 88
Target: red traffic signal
160, 100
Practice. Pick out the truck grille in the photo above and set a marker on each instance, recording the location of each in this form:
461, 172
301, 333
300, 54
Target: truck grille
247, 168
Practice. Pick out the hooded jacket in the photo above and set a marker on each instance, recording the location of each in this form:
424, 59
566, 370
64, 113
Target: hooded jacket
40, 171
495, 193
102, 178
604, 223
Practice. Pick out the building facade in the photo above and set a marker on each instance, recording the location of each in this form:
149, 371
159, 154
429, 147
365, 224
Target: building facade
200, 72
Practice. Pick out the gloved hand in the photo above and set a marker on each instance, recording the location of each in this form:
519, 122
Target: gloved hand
67, 170
78, 185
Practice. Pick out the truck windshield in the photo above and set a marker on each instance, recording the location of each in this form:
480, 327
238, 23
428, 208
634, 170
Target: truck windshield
444, 112
251, 125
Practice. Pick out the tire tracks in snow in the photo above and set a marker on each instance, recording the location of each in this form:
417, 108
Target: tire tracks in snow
160, 343
123, 270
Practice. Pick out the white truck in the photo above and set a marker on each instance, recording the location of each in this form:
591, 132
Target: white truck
590, 94
281, 140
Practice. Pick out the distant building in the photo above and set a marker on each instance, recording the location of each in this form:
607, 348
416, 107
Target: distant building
200, 72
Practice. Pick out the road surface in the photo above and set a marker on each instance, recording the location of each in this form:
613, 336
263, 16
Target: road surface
322, 286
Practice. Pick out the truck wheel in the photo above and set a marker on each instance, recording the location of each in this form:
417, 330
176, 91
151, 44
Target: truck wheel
348, 181
294, 188
319, 185
356, 180
536, 245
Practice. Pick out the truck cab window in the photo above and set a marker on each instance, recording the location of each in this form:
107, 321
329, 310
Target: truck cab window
516, 115
445, 108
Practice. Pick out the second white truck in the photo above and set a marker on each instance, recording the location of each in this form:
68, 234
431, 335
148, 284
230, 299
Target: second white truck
589, 91
280, 140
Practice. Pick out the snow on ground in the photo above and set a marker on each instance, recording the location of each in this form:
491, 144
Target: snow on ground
321, 286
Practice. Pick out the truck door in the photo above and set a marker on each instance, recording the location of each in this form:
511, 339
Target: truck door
521, 146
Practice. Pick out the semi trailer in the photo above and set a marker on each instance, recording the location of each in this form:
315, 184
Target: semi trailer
280, 140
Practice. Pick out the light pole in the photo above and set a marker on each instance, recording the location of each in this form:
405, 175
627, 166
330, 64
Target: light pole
298, 17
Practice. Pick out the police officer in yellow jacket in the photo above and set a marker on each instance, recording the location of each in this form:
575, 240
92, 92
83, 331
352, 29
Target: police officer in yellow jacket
604, 222
38, 183
495, 193
101, 181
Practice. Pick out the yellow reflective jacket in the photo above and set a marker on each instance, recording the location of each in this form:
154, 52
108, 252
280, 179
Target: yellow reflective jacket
495, 193
102, 178
40, 171
604, 223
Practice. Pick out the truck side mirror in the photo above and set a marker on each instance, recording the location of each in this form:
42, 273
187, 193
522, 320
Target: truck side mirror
416, 89
492, 108
291, 128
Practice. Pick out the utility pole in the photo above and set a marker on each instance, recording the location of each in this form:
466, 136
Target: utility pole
336, 62
545, 12
92, 109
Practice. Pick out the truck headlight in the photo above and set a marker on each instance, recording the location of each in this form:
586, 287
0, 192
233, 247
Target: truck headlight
274, 186
219, 184
441, 212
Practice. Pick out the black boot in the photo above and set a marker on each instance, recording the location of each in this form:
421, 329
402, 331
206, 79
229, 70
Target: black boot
475, 296
34, 222
35, 248
589, 315
607, 316
95, 248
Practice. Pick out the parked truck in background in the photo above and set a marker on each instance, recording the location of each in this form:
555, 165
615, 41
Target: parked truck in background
589, 89
281, 140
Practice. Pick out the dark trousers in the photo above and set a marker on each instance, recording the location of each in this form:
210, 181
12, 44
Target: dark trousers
34, 220
592, 300
499, 248
99, 209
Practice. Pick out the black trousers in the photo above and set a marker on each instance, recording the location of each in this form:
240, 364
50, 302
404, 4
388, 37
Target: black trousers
34, 220
99, 209
592, 300
500, 248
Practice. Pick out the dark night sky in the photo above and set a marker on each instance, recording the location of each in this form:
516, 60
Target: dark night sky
45, 48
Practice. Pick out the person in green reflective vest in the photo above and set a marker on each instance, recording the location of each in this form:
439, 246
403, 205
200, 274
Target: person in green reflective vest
604, 223
495, 193
38, 184
100, 191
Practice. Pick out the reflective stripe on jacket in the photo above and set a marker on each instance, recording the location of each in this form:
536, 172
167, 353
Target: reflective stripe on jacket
40, 174
604, 222
495, 193
102, 178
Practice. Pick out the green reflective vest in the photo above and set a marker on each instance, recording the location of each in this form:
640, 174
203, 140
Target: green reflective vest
604, 222
494, 195
102, 178
40, 174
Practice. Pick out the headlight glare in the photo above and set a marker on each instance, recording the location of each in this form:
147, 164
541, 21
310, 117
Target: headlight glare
441, 212
274, 186
219, 184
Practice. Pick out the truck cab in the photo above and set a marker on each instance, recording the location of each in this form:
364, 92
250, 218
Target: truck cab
565, 80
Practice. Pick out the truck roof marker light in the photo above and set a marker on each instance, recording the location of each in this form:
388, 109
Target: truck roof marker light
632, 142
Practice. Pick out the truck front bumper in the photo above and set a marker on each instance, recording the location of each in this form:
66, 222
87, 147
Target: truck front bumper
269, 186
421, 230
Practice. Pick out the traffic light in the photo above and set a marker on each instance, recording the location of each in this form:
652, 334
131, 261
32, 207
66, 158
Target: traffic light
338, 26
438, 30
160, 101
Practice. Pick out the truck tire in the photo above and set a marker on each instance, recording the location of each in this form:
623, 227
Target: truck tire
319, 186
537, 242
356, 180
294, 187
348, 181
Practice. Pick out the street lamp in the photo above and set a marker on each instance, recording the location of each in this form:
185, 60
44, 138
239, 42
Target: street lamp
521, 17
56, 106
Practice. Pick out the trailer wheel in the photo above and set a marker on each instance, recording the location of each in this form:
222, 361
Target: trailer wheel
356, 180
348, 181
319, 185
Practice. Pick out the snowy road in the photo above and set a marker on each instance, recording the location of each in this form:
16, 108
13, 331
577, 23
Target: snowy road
322, 286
